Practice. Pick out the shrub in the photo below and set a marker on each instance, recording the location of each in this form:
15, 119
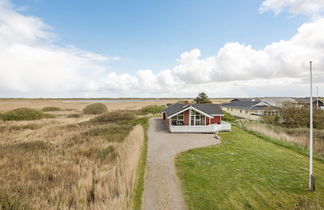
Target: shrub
25, 114
228, 117
292, 116
116, 116
96, 108
154, 109
50, 109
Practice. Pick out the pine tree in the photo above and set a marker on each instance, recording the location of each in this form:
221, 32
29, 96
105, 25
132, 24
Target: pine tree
202, 98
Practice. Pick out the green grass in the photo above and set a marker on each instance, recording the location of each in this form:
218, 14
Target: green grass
139, 185
293, 146
247, 172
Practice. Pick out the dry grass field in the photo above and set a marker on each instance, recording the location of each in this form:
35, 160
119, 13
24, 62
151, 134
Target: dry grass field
68, 162
9, 104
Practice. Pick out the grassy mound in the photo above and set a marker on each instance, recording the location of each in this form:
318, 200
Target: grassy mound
153, 109
96, 108
114, 117
24, 114
50, 109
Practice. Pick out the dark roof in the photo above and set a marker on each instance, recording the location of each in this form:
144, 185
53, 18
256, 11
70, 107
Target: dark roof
172, 109
246, 99
264, 108
245, 104
306, 100
249, 105
210, 109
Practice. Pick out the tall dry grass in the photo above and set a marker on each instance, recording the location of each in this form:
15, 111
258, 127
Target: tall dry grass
299, 136
51, 164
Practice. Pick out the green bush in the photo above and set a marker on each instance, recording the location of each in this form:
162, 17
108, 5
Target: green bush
96, 108
154, 109
25, 114
116, 116
228, 117
292, 116
50, 109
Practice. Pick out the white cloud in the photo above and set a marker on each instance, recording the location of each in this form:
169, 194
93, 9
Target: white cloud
32, 65
310, 8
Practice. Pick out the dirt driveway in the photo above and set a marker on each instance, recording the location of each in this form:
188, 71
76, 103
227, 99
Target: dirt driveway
162, 186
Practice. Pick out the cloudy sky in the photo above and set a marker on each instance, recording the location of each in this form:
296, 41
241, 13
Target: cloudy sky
162, 48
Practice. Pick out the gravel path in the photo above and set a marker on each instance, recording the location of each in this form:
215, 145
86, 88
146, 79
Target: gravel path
162, 186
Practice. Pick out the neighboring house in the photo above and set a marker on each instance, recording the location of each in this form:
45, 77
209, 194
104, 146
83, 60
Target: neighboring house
252, 108
195, 118
278, 101
316, 102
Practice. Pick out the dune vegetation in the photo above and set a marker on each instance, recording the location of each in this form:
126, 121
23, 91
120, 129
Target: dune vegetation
72, 161
96, 108
51, 109
24, 114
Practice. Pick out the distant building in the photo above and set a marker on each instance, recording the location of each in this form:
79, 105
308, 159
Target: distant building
252, 108
305, 101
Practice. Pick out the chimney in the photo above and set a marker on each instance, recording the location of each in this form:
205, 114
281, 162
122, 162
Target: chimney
185, 102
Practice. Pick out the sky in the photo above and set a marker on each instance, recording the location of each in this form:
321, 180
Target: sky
161, 48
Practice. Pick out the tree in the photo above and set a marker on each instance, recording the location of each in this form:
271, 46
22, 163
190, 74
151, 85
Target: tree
202, 98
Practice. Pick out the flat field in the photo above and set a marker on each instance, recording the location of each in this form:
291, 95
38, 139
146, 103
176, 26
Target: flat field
248, 172
75, 104
69, 161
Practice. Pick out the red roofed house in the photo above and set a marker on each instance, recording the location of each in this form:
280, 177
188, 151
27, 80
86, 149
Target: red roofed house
195, 118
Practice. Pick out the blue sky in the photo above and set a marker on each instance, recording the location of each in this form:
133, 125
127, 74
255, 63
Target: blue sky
169, 48
152, 34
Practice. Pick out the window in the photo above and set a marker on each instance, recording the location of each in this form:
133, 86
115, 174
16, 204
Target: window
177, 120
203, 118
197, 118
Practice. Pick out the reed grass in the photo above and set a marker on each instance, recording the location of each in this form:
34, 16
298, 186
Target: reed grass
297, 136
64, 163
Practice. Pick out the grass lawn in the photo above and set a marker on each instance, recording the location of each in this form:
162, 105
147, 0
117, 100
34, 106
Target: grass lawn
247, 172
